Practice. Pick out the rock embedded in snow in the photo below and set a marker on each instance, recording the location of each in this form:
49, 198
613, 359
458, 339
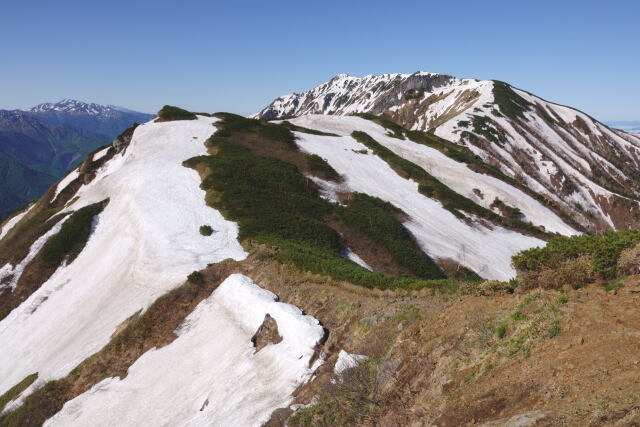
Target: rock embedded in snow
210, 374
266, 334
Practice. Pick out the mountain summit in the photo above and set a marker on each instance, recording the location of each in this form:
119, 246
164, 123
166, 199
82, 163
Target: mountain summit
581, 167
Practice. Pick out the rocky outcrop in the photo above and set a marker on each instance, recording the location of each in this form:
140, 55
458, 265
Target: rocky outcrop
266, 334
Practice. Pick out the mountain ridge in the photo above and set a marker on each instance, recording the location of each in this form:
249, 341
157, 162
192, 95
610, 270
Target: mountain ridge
586, 169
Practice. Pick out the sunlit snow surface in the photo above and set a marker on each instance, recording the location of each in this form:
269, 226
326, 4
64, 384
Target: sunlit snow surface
486, 251
210, 374
13, 221
145, 243
71, 176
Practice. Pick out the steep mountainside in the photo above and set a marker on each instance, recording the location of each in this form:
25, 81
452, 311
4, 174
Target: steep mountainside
219, 270
583, 168
39, 145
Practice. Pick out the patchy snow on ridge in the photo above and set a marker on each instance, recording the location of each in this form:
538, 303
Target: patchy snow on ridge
16, 271
486, 251
13, 221
455, 175
100, 154
71, 176
145, 243
210, 374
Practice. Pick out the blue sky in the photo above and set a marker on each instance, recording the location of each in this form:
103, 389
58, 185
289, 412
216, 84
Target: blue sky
238, 55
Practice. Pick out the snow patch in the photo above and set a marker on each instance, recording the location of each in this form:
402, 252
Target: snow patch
71, 176
209, 375
355, 258
347, 361
146, 243
13, 221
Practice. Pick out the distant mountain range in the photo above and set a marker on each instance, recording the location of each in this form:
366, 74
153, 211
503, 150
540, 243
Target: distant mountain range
38, 145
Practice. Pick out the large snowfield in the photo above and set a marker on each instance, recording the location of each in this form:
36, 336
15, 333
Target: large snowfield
211, 374
145, 242
486, 251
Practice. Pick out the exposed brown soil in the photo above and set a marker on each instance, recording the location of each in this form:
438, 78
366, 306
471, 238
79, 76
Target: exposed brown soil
453, 370
435, 357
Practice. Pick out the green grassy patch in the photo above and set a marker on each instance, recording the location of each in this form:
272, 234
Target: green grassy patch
394, 129
302, 129
319, 166
510, 103
72, 237
596, 255
15, 391
277, 206
376, 218
170, 113
206, 230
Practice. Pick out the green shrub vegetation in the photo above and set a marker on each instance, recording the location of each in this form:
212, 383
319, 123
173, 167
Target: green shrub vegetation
510, 103
431, 187
554, 330
320, 166
395, 129
72, 237
482, 126
170, 113
376, 218
462, 154
277, 206
297, 128
15, 391
501, 331
206, 230
195, 277
574, 260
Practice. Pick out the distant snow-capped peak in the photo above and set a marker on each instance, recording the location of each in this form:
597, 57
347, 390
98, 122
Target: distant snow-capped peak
73, 106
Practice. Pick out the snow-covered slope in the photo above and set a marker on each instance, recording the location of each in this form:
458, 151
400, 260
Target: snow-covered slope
212, 374
144, 243
441, 234
583, 168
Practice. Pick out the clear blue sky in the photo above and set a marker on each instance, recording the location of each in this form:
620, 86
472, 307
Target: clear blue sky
238, 55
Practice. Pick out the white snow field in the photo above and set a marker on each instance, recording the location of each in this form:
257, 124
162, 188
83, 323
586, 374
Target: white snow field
486, 251
455, 175
144, 243
210, 375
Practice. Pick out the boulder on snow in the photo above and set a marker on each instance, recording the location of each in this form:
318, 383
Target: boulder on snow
266, 334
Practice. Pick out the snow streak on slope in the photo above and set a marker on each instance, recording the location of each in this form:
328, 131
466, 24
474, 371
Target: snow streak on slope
210, 374
16, 271
438, 231
71, 176
145, 242
13, 221
585, 169
344, 94
455, 175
